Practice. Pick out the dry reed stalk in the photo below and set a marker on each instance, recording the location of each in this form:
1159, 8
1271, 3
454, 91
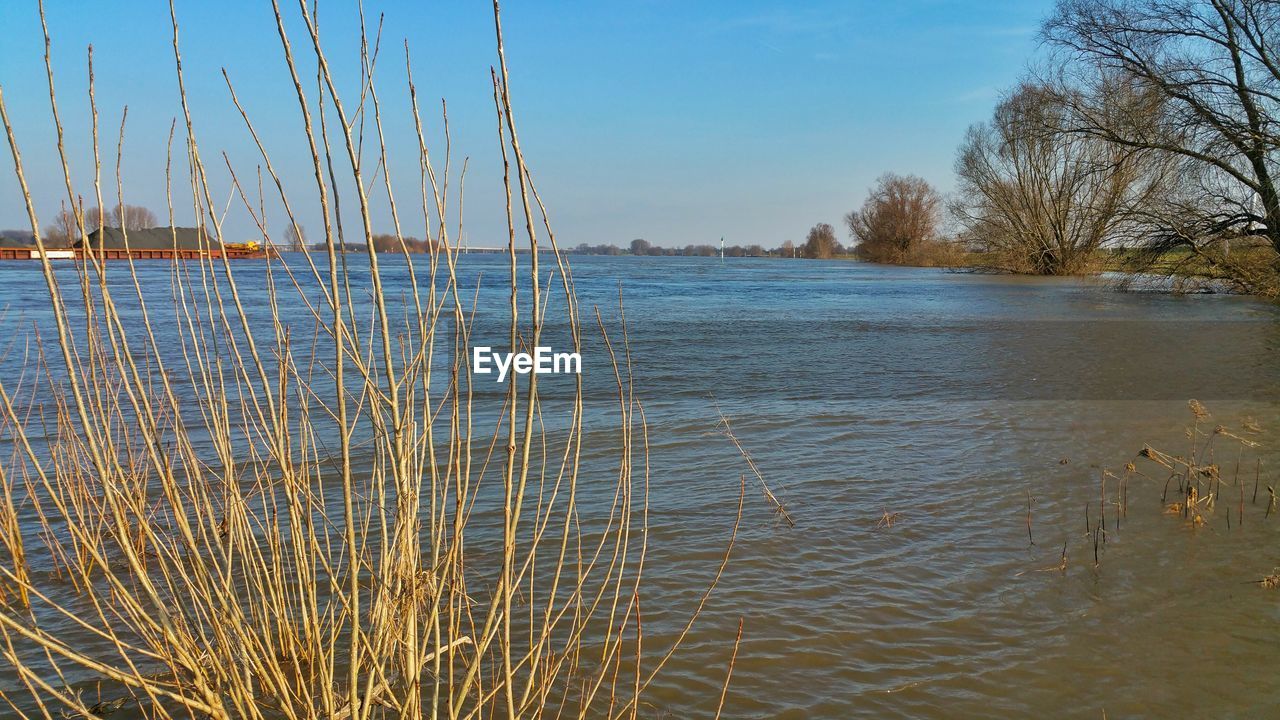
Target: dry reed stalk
1030, 540
1060, 567
1193, 471
1257, 474
728, 676
1200, 481
1102, 503
888, 519
206, 551
778, 507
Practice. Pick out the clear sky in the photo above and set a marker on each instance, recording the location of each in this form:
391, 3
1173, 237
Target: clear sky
671, 120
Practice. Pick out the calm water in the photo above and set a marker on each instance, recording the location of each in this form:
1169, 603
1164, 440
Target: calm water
946, 398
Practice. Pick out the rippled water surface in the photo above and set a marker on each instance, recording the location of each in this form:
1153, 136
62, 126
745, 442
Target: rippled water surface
950, 400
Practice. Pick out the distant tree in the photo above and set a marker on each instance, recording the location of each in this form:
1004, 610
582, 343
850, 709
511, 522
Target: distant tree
642, 247
95, 218
21, 236
388, 243
295, 237
788, 249
131, 217
385, 243
821, 242
63, 231
899, 221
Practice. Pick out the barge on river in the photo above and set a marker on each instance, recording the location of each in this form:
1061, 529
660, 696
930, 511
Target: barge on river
150, 244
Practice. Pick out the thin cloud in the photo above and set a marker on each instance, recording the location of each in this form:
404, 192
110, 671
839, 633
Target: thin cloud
985, 93
787, 22
1011, 31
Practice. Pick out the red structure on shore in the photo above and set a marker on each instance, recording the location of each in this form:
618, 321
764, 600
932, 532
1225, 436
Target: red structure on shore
150, 244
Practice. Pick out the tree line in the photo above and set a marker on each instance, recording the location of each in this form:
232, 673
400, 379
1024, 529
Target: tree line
821, 243
1151, 132
64, 230
1150, 135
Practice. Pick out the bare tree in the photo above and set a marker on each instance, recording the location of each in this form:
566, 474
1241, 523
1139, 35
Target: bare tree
788, 249
62, 232
899, 221
640, 246
1036, 198
295, 237
1214, 66
821, 242
131, 217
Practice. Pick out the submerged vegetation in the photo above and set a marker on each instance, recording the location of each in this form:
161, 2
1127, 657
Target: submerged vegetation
1217, 479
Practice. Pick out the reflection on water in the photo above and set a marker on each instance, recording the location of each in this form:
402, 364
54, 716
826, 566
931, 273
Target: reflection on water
947, 398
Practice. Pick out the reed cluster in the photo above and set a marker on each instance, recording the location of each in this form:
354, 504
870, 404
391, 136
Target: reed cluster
1220, 468
212, 508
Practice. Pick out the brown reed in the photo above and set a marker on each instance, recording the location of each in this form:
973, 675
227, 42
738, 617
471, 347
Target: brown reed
178, 526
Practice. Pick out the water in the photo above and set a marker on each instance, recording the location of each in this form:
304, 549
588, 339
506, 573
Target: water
947, 398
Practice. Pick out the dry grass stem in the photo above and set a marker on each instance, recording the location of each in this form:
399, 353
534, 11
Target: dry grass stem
290, 500
778, 507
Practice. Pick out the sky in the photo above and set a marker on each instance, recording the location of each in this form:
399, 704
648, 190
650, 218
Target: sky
674, 121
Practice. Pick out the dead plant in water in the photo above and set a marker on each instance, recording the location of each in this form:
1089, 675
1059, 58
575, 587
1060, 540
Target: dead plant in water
778, 507
1207, 482
888, 519
220, 520
1201, 482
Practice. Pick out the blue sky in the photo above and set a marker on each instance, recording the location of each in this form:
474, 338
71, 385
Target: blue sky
676, 121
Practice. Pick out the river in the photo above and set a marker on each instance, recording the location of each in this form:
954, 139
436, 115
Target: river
951, 403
